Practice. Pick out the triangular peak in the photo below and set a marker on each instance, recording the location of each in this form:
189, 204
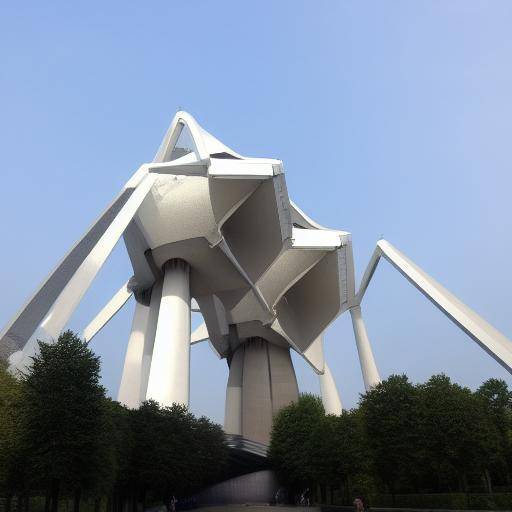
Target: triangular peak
186, 137
185, 145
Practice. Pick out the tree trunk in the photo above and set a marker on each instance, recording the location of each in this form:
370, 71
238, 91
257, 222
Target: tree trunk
393, 494
488, 483
26, 502
348, 490
55, 487
143, 499
47, 499
8, 501
76, 500
323, 493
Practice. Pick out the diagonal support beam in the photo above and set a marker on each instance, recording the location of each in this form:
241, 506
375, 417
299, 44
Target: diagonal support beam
72, 293
108, 312
199, 334
489, 338
17, 332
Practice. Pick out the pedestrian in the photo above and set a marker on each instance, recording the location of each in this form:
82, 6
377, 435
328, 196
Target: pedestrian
305, 499
358, 505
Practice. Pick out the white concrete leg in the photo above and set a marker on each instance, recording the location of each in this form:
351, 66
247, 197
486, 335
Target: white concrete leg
129, 390
169, 377
71, 295
233, 411
149, 338
368, 367
108, 312
329, 392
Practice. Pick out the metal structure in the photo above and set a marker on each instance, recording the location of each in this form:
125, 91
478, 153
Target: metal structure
209, 230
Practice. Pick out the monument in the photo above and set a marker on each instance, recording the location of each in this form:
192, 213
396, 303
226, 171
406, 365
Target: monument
209, 230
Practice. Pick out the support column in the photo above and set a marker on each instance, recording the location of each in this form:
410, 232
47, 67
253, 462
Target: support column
169, 376
261, 382
256, 392
149, 338
368, 367
233, 410
129, 390
329, 392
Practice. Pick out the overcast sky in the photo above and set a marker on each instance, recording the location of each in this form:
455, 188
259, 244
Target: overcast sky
392, 118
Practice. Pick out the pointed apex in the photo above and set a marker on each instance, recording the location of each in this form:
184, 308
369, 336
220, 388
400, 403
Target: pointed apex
185, 136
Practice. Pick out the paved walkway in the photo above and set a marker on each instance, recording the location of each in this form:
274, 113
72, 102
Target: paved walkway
256, 508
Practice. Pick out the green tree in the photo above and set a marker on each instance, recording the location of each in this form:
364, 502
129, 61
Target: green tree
457, 436
339, 457
292, 444
498, 401
210, 453
122, 443
13, 453
389, 413
173, 452
66, 418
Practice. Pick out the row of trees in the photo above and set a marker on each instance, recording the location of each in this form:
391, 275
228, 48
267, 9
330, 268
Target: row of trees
60, 436
402, 438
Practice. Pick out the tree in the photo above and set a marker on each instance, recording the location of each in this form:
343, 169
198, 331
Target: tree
389, 413
122, 443
457, 436
338, 452
498, 402
210, 454
292, 443
173, 452
13, 453
66, 417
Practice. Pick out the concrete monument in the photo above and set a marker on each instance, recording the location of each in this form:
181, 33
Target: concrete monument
209, 230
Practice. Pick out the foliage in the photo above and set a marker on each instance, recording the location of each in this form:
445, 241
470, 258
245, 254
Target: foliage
456, 434
61, 436
390, 416
292, 440
12, 428
66, 418
59, 433
402, 438
498, 402
173, 452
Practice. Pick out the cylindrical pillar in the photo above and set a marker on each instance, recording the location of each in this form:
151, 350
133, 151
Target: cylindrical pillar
329, 392
261, 382
169, 376
149, 338
129, 390
368, 367
233, 411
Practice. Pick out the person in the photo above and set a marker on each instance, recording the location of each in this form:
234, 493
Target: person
358, 505
173, 503
304, 497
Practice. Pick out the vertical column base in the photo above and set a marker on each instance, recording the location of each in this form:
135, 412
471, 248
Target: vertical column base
261, 382
330, 396
169, 376
371, 375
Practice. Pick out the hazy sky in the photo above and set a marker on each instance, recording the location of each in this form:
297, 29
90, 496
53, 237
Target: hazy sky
392, 118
